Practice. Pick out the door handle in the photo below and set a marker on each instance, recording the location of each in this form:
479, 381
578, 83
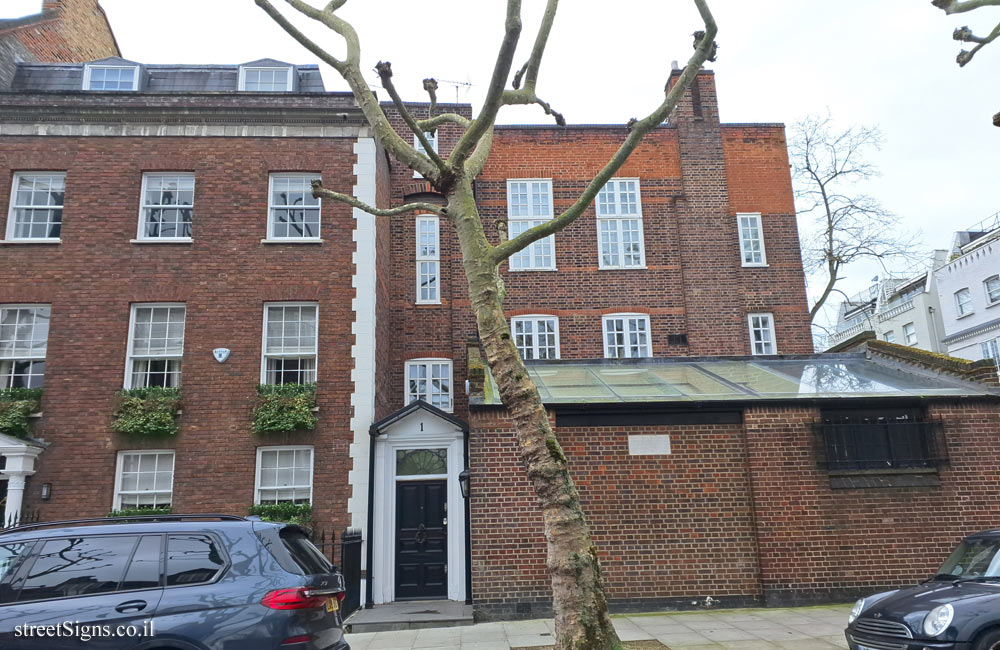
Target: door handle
131, 606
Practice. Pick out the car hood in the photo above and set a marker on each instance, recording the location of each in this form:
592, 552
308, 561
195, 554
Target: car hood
911, 605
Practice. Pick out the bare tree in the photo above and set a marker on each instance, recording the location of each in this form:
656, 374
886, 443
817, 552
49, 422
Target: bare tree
965, 34
582, 621
849, 225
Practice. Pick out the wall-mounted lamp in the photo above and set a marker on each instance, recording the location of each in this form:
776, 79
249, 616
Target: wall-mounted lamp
46, 491
463, 482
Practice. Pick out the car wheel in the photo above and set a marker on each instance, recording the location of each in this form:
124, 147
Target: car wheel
989, 641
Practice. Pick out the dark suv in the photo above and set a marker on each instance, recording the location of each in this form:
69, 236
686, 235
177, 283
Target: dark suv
203, 582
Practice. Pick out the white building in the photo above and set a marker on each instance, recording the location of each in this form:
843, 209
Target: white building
969, 289
902, 310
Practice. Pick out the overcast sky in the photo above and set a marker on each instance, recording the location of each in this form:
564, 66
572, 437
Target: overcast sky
889, 63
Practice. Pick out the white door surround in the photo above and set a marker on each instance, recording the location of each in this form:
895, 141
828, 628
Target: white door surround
20, 464
419, 429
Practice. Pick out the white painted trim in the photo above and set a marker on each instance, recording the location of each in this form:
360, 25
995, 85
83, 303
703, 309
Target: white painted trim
270, 207
243, 79
620, 217
428, 361
537, 317
626, 316
140, 232
760, 232
406, 434
116, 501
135, 76
774, 336
435, 258
131, 335
432, 139
548, 218
312, 468
9, 234
263, 335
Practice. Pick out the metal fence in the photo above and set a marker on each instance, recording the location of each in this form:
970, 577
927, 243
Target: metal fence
30, 517
881, 445
349, 562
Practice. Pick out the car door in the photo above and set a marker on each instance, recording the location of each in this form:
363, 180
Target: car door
97, 592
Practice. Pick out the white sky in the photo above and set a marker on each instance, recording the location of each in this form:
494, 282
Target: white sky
890, 63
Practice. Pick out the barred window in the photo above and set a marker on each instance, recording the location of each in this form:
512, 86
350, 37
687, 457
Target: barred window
290, 343
24, 335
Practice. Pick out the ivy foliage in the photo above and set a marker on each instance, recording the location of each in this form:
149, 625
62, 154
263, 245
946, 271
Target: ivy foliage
284, 407
150, 411
299, 514
134, 512
16, 404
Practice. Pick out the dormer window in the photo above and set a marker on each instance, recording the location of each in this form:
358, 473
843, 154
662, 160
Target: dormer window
266, 80
111, 77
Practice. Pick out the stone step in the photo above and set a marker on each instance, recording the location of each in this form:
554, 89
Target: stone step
409, 615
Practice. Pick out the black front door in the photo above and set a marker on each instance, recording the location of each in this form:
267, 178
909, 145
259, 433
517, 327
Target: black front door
421, 539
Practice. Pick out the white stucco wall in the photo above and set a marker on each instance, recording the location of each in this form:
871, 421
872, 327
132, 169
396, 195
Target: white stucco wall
970, 271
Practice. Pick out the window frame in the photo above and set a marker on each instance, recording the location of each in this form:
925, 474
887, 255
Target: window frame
771, 329
271, 207
889, 336
143, 206
910, 333
6, 306
277, 448
618, 218
960, 305
129, 352
990, 301
550, 238
116, 503
534, 335
626, 316
421, 259
263, 338
428, 361
289, 84
432, 139
10, 230
759, 218
90, 67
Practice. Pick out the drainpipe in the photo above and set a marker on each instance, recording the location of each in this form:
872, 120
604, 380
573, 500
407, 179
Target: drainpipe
369, 554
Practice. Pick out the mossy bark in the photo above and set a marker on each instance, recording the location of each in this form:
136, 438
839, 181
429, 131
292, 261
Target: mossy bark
579, 601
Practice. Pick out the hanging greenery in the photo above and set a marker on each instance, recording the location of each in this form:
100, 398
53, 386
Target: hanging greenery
16, 404
150, 411
133, 512
299, 514
284, 407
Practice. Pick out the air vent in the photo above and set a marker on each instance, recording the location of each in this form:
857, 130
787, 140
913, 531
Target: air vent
677, 339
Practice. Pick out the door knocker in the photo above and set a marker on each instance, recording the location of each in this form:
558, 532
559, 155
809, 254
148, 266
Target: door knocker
421, 535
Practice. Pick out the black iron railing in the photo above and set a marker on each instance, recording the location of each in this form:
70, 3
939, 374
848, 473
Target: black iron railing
880, 445
350, 554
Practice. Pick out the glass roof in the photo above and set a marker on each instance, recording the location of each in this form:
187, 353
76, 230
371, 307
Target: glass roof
699, 380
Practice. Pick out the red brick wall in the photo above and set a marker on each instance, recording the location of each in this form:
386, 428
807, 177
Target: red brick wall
669, 529
821, 543
78, 30
224, 278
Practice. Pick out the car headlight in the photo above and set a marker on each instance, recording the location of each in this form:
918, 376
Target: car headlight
856, 612
938, 620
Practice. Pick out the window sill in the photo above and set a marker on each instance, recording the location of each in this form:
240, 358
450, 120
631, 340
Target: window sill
755, 266
291, 241
905, 477
530, 270
623, 268
993, 304
966, 315
427, 303
19, 242
314, 409
164, 240
36, 415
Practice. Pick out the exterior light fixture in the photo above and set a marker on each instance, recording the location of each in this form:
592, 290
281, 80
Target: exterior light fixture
46, 491
463, 482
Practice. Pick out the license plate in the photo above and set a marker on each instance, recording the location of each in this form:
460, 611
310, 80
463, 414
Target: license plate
332, 605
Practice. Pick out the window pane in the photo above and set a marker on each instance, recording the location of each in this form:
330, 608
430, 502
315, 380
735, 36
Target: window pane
146, 479
78, 566
192, 559
144, 570
421, 462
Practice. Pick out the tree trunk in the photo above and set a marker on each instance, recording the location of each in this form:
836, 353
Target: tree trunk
581, 610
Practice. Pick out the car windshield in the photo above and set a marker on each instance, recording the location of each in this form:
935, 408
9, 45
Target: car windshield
972, 559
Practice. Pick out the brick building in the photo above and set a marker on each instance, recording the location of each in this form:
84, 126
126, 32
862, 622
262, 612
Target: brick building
160, 213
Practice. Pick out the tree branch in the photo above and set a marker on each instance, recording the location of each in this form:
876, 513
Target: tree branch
494, 95
530, 69
958, 6
294, 32
321, 192
433, 123
384, 70
474, 165
706, 46
966, 35
431, 86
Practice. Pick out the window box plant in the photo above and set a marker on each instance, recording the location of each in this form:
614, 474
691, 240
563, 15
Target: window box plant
299, 514
150, 411
284, 407
133, 512
16, 404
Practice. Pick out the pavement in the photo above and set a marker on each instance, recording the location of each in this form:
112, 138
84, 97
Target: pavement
796, 628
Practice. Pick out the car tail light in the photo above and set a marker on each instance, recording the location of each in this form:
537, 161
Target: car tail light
341, 595
292, 599
295, 640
